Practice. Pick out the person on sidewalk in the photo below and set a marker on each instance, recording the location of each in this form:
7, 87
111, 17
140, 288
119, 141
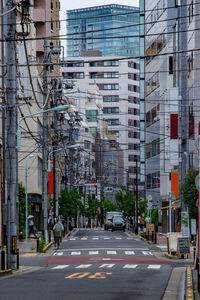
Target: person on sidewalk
31, 227
58, 229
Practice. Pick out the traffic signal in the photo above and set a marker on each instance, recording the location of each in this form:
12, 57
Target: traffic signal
108, 189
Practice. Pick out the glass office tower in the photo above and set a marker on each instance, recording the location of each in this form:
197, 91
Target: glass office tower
111, 29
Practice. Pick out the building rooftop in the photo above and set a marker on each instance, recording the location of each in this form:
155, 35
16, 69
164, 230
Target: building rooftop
134, 8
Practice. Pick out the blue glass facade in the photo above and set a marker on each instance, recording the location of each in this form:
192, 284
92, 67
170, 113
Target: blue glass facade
111, 29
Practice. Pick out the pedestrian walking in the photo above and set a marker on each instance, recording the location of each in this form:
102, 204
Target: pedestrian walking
31, 226
58, 229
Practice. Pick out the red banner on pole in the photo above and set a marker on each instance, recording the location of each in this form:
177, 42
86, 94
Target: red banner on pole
50, 180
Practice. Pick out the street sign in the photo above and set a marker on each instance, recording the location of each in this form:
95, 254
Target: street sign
183, 245
14, 244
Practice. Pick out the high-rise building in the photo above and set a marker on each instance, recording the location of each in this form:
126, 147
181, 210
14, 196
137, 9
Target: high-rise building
112, 29
118, 83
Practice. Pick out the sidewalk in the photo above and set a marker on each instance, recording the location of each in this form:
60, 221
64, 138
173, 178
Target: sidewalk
179, 286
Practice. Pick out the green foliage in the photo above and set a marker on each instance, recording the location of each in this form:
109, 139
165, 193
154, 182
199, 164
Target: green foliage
143, 234
22, 207
108, 205
21, 235
154, 217
125, 201
69, 203
41, 243
190, 193
90, 207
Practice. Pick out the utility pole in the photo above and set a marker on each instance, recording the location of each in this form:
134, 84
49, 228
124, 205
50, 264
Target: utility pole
11, 152
136, 204
44, 144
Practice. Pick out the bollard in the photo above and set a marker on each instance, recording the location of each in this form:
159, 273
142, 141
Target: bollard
152, 234
38, 244
3, 260
148, 236
49, 236
155, 240
17, 259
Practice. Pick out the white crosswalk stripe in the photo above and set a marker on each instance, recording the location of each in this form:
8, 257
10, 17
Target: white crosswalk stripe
153, 267
84, 238
128, 266
59, 253
72, 239
147, 252
107, 266
118, 238
93, 252
83, 266
129, 252
106, 238
76, 253
95, 238
60, 267
112, 252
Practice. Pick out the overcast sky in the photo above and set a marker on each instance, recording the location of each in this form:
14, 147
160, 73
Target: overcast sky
74, 4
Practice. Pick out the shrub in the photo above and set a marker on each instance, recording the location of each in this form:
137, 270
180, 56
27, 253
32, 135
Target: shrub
41, 243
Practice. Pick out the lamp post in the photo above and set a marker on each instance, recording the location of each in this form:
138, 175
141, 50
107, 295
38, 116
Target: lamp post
26, 179
18, 133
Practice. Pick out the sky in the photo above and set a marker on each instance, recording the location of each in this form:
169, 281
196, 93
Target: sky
75, 4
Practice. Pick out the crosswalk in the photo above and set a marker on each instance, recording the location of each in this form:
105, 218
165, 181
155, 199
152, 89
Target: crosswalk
128, 252
107, 266
96, 238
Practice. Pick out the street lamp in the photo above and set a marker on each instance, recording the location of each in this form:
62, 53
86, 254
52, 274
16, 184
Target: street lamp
26, 188
60, 149
18, 133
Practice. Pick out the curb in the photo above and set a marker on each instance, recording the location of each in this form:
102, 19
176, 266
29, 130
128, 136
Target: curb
47, 247
173, 290
189, 290
5, 272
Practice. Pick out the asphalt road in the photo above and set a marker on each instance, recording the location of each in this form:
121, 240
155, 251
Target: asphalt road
93, 264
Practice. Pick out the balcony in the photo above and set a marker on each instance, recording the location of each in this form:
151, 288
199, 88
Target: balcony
39, 15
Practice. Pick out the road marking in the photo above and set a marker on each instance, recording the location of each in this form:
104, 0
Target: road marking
95, 238
83, 266
130, 266
153, 267
106, 238
129, 238
129, 252
107, 248
77, 275
93, 252
118, 238
59, 253
84, 238
112, 252
107, 266
76, 253
147, 253
106, 258
60, 267
100, 275
72, 239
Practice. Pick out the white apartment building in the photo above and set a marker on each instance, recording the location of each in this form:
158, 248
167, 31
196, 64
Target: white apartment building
118, 83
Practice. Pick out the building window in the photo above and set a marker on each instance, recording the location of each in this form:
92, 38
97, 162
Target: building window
152, 84
91, 115
113, 122
93, 64
190, 63
73, 75
74, 64
111, 98
111, 75
157, 45
113, 86
111, 63
87, 145
93, 75
113, 132
153, 148
152, 116
111, 110
132, 146
93, 130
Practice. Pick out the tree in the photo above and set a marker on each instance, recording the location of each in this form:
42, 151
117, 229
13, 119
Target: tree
190, 192
90, 208
108, 205
69, 203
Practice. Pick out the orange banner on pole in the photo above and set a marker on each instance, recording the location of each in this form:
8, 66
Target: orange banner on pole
175, 183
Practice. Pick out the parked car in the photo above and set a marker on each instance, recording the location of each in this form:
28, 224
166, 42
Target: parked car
118, 223
108, 219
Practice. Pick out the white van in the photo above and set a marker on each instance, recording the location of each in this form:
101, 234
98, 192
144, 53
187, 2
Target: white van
108, 220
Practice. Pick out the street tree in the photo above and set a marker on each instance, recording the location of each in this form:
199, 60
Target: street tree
190, 192
69, 203
90, 208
